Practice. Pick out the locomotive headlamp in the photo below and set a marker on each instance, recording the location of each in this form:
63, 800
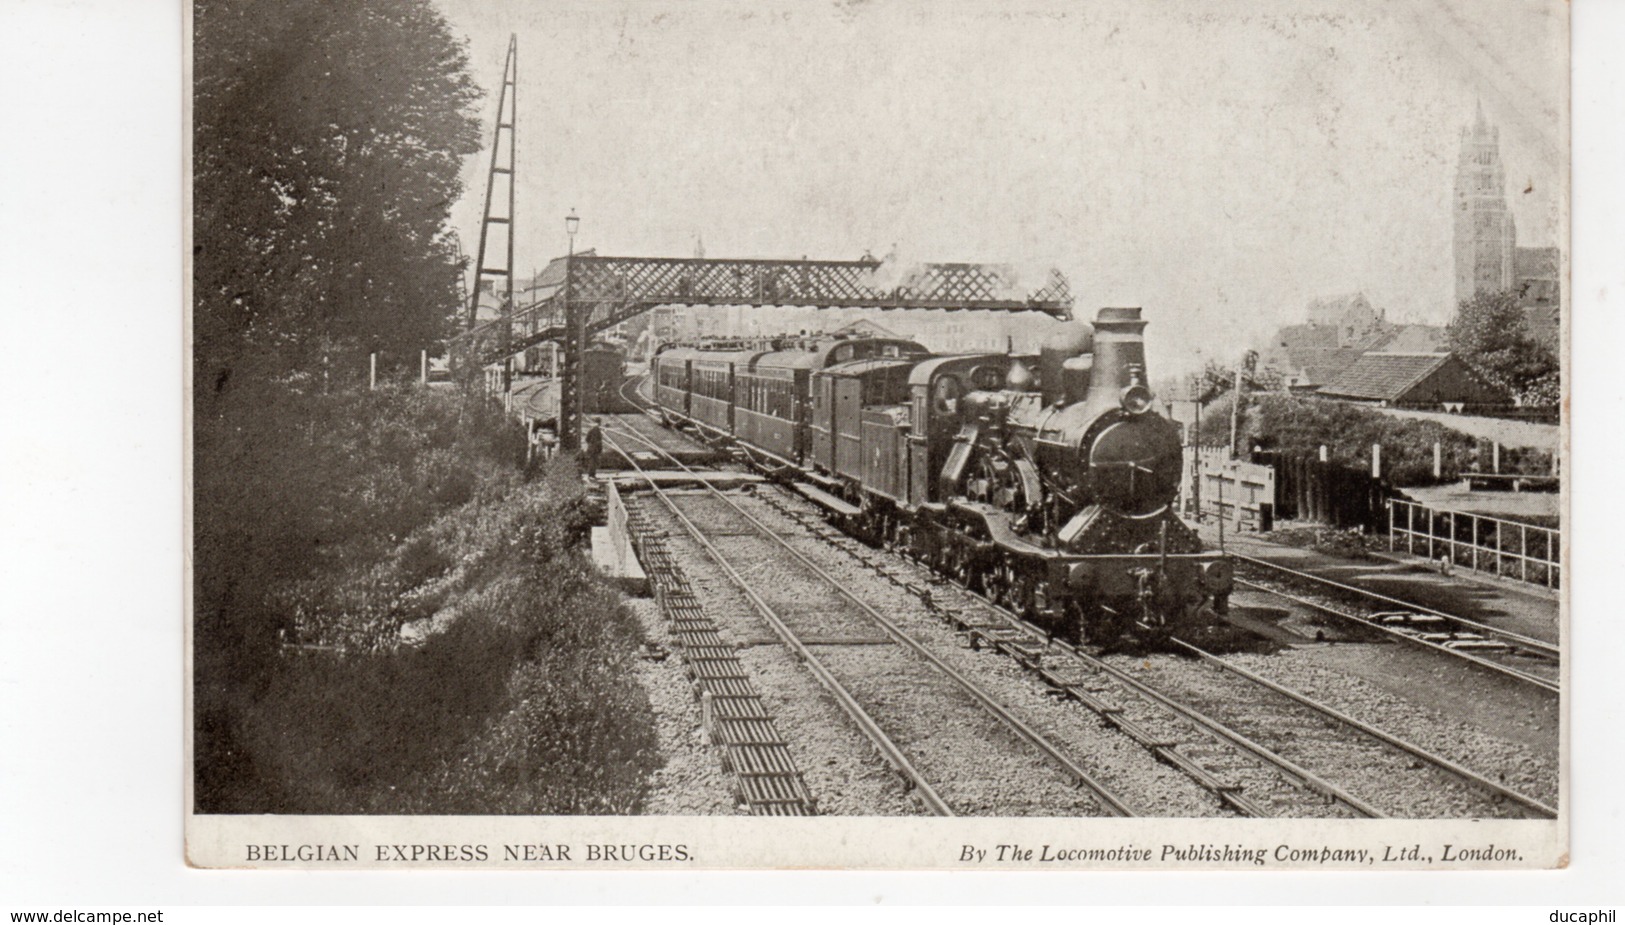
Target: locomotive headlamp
1136, 399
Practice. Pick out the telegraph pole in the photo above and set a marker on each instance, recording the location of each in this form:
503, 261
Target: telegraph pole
1235, 414
574, 345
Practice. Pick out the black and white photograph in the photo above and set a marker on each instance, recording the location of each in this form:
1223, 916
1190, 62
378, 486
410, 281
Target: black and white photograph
876, 434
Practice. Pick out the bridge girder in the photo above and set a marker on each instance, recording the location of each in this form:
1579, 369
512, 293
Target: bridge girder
606, 291
597, 293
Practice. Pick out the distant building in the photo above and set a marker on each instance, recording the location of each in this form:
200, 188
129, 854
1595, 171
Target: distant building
1350, 317
1438, 380
489, 305
1412, 338
1338, 331
1485, 231
1540, 291
1307, 355
1488, 258
863, 327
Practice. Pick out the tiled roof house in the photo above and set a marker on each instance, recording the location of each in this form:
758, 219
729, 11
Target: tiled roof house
1413, 379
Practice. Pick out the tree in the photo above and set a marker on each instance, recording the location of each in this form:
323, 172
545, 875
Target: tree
328, 141
1216, 378
1489, 334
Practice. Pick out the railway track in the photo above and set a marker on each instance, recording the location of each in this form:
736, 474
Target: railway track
1295, 715
1292, 717
1493, 789
816, 636
767, 780
1528, 661
1195, 759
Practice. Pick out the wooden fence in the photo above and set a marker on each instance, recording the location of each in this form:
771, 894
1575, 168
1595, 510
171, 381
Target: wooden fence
1327, 492
1484, 544
1236, 491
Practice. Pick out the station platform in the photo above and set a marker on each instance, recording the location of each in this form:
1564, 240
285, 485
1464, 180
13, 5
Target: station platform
1539, 507
1533, 612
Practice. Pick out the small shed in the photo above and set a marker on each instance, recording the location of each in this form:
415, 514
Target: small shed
1415, 380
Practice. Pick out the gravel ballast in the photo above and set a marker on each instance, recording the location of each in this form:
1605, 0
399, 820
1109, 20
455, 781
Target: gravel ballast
977, 763
1124, 766
981, 767
691, 782
1297, 733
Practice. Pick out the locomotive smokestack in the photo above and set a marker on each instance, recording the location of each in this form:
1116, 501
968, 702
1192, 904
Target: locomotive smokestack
1067, 342
1119, 347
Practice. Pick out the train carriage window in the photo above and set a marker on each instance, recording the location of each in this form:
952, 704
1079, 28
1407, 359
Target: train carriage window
946, 394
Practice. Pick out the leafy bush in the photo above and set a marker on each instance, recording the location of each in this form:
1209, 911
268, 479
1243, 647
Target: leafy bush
1278, 421
420, 560
331, 521
518, 701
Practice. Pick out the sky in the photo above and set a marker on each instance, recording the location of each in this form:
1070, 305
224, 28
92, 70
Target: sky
1218, 163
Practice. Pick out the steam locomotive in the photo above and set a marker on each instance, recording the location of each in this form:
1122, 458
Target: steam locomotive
1048, 488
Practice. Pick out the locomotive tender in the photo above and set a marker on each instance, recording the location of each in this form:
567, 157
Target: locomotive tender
1050, 489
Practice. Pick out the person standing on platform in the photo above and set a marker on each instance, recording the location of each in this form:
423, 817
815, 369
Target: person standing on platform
595, 448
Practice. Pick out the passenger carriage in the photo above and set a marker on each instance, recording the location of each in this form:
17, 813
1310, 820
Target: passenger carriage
671, 376
1045, 482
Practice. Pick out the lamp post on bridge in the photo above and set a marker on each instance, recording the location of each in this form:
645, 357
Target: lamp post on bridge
570, 385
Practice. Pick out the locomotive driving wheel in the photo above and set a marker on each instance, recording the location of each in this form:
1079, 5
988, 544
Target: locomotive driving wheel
959, 562
996, 583
1034, 596
893, 535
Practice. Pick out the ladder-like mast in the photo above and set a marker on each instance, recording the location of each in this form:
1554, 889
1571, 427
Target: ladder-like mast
507, 115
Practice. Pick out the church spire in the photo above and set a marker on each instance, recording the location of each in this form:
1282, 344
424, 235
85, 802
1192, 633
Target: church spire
1485, 233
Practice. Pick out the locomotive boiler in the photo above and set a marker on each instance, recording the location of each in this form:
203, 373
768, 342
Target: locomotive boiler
1045, 482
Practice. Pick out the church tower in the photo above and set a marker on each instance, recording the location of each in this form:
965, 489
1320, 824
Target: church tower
1485, 233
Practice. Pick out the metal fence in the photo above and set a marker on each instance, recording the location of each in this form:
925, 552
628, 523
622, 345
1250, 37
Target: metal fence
1484, 544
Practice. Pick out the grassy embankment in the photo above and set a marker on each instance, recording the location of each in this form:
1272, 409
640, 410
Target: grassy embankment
325, 525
